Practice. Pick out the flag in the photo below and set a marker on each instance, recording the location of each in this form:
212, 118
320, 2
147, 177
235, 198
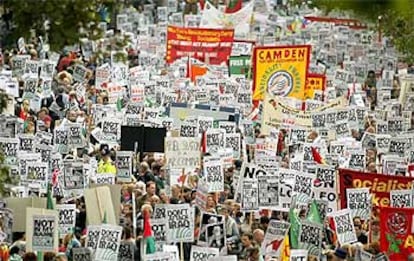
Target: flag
313, 214
196, 70
294, 228
49, 204
148, 236
233, 6
204, 142
317, 156
285, 255
105, 218
119, 104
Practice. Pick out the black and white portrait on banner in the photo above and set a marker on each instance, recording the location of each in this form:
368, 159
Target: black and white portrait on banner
207, 219
268, 189
369, 140
250, 200
216, 235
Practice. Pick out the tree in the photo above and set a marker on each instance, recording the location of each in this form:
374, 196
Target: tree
65, 19
394, 19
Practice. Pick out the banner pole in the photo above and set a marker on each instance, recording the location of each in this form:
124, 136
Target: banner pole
182, 250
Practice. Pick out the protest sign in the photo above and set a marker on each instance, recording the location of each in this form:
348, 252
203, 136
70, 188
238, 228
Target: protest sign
214, 174
202, 253
108, 243
401, 198
268, 191
240, 66
173, 250
126, 251
359, 202
310, 237
124, 160
159, 228
396, 232
280, 71
304, 184
380, 185
324, 186
344, 226
207, 219
180, 223
82, 254
73, 178
111, 130
38, 173
214, 140
42, 230
298, 255
216, 235
67, 218
250, 196
92, 237
182, 152
210, 45
9, 147
275, 234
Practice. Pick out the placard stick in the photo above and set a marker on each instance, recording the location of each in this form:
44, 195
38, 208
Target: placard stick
181, 251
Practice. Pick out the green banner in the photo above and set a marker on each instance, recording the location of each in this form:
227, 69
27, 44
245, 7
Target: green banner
241, 65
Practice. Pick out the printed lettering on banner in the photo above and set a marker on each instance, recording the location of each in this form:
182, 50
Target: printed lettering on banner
359, 202
124, 160
268, 189
324, 186
82, 254
214, 140
182, 152
111, 130
158, 256
202, 253
298, 255
92, 237
275, 234
214, 174
159, 229
401, 198
304, 184
9, 148
249, 193
67, 218
108, 243
180, 223
44, 232
310, 237
126, 251
38, 173
344, 226
103, 178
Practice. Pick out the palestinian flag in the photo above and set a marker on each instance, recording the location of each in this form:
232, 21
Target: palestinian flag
148, 235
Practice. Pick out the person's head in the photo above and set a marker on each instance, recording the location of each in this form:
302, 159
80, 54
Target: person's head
105, 152
151, 188
246, 239
14, 250
164, 197
372, 167
258, 236
49, 256
156, 167
71, 116
375, 226
357, 221
26, 105
253, 253
211, 202
29, 256
264, 221
175, 191
146, 208
143, 167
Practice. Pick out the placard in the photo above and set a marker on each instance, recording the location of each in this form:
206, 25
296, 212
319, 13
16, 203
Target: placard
126, 251
182, 152
82, 254
180, 223
344, 226
124, 160
67, 219
214, 174
401, 198
109, 242
359, 202
42, 230
310, 237
202, 253
275, 234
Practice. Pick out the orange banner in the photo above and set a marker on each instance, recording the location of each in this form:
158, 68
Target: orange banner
208, 45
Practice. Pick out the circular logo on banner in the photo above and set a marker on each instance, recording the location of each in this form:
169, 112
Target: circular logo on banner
280, 84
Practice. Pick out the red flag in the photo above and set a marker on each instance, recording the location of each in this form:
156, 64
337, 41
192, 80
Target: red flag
317, 157
234, 6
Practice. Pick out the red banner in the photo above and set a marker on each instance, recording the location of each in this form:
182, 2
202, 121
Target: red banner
380, 185
396, 238
208, 45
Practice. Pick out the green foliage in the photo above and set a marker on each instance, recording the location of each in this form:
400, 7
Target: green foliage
393, 17
66, 18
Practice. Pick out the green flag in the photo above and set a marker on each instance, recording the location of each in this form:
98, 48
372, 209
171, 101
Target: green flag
294, 229
313, 214
119, 104
49, 204
105, 218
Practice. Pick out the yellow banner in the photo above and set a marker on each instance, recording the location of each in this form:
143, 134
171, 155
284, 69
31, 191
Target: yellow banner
280, 71
277, 113
314, 82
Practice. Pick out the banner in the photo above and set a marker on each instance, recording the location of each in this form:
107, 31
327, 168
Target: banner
344, 226
275, 234
280, 71
42, 230
212, 46
240, 20
276, 113
396, 232
314, 82
380, 185
240, 65
67, 219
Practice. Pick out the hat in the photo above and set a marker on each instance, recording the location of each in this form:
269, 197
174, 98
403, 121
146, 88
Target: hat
341, 253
